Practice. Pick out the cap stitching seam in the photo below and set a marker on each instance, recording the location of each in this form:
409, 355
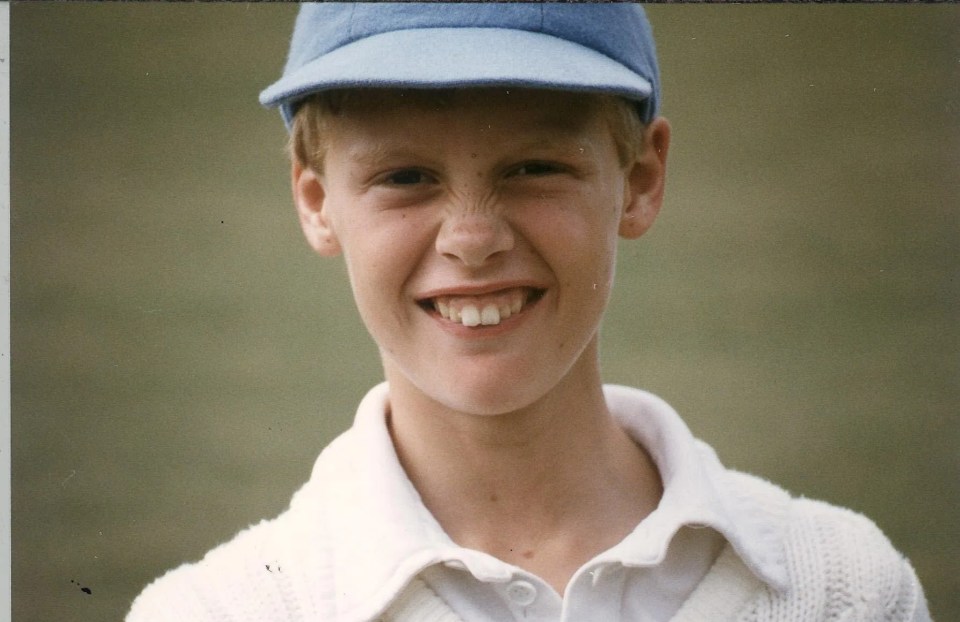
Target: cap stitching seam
353, 11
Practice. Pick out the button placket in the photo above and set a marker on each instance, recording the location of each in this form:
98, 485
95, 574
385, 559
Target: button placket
521, 592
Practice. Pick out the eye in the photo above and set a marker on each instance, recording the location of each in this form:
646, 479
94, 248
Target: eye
407, 177
535, 169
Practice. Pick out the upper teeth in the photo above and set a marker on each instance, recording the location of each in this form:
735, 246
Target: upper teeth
486, 310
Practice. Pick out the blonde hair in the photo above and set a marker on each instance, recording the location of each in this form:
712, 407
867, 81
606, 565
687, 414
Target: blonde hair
308, 145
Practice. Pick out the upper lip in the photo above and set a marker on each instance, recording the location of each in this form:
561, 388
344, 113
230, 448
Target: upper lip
477, 289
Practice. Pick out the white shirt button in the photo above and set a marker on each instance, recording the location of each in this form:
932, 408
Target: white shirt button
521, 592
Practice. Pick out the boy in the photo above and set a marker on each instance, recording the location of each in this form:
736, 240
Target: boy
475, 166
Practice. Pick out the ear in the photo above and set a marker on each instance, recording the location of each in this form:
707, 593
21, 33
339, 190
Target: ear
309, 198
646, 178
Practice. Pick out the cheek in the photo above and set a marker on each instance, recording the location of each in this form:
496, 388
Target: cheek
583, 252
581, 235
381, 254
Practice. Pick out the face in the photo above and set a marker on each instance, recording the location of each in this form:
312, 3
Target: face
480, 236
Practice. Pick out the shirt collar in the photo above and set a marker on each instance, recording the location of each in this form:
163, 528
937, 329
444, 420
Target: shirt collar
697, 491
378, 533
381, 535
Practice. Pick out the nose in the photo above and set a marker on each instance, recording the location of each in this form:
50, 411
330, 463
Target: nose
474, 237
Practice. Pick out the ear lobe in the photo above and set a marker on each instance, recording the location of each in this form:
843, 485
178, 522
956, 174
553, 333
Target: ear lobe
646, 180
309, 199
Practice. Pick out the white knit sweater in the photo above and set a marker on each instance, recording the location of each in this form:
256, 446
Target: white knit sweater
350, 549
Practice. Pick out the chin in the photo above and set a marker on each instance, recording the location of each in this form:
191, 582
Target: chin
494, 398
491, 387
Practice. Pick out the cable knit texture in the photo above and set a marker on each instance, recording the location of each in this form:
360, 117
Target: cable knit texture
800, 561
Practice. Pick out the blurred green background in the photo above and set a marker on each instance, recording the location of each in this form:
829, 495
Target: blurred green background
180, 356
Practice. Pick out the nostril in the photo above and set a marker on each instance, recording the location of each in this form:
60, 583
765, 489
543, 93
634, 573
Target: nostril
474, 238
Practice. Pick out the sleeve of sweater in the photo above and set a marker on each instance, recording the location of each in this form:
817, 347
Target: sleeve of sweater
911, 596
866, 578
278, 570
840, 566
266, 572
221, 587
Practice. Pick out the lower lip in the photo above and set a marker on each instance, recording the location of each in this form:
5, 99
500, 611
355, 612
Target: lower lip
484, 332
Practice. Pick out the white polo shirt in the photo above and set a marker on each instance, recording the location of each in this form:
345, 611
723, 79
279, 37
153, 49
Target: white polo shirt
645, 578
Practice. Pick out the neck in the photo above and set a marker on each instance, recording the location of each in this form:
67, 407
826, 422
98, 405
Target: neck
545, 488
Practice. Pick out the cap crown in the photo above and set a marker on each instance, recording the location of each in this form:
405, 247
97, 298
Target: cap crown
592, 47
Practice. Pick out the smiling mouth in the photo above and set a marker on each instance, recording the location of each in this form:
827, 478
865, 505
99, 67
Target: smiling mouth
486, 310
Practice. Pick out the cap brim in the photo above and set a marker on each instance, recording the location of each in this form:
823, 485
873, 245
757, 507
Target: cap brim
458, 57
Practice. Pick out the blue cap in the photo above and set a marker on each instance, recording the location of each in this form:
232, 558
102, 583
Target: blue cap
588, 47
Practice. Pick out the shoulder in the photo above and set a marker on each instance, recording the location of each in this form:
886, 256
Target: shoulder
253, 576
262, 573
838, 561
203, 590
863, 570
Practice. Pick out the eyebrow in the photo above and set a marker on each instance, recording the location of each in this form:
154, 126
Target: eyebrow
368, 156
549, 129
364, 157
569, 124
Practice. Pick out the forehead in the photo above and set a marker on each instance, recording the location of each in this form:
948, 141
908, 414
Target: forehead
491, 109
